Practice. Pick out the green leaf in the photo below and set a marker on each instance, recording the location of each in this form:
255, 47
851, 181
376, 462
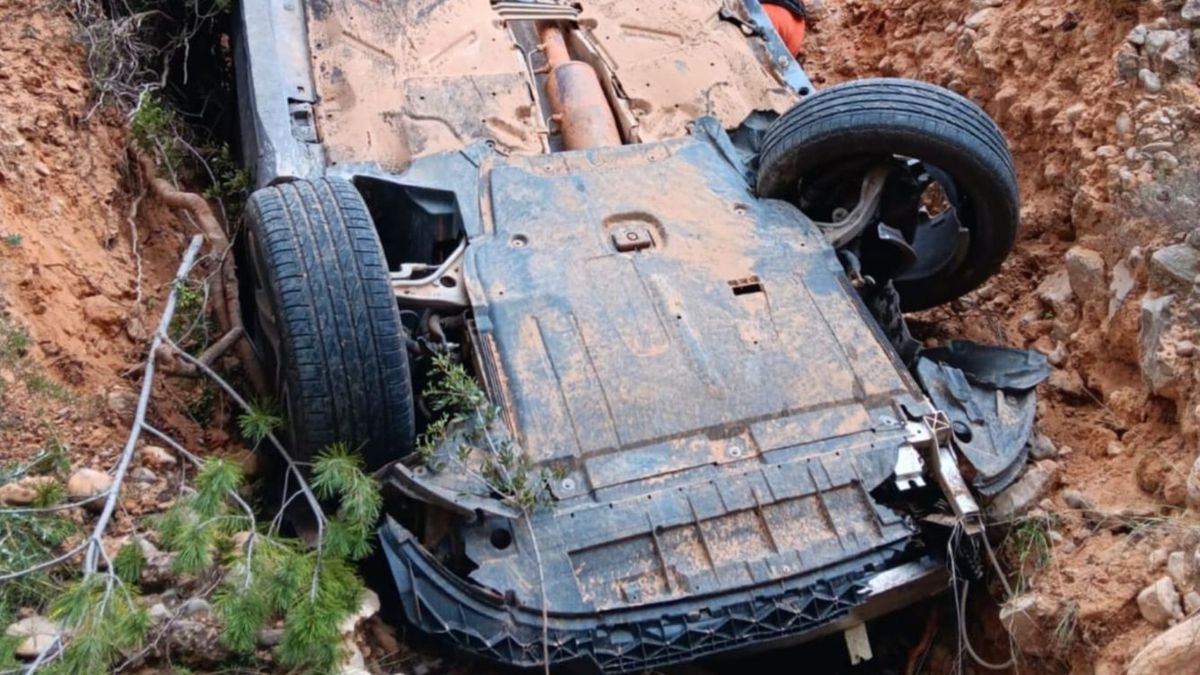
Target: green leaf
129, 562
260, 421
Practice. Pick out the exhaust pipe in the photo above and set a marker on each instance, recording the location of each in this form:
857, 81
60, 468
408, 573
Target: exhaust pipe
576, 97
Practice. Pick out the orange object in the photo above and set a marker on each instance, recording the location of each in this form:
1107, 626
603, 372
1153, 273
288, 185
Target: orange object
576, 97
789, 26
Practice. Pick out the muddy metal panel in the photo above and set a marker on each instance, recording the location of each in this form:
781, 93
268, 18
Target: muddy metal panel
643, 300
691, 361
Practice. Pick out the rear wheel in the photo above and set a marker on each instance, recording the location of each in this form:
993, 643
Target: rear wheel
324, 321
914, 180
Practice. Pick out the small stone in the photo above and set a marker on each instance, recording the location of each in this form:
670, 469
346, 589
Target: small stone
1174, 268
1085, 271
1157, 41
1067, 381
1165, 161
1191, 603
1021, 496
102, 311
1115, 449
1191, 12
1055, 291
1185, 348
1150, 82
157, 457
25, 491
1159, 603
1042, 447
1158, 558
122, 402
269, 637
1124, 124
1178, 57
1193, 238
86, 483
194, 606
976, 20
1137, 36
1128, 64
1179, 569
39, 634
1077, 500
1155, 323
159, 613
141, 474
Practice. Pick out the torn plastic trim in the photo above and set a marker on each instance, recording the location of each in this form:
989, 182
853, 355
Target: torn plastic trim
802, 608
410, 484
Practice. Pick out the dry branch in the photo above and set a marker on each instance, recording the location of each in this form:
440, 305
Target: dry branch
228, 305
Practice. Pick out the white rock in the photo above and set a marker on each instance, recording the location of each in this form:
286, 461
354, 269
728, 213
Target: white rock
1150, 82
1191, 12
1055, 292
158, 458
976, 20
1137, 36
1191, 603
159, 613
1159, 603
39, 633
23, 492
86, 483
195, 606
1042, 447
1175, 651
1021, 496
1157, 41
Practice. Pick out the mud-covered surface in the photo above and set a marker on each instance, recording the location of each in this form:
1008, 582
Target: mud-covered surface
398, 81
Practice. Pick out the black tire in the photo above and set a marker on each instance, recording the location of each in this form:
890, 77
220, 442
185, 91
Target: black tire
909, 119
325, 321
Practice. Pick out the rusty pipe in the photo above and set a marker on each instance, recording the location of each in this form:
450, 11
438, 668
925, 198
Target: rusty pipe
576, 97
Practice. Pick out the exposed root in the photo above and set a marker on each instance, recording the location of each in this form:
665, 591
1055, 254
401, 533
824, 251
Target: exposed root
228, 305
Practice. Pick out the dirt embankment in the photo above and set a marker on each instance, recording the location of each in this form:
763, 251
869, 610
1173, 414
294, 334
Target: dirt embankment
78, 289
1100, 102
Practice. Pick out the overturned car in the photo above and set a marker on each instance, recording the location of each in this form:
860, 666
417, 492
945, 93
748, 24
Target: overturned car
613, 299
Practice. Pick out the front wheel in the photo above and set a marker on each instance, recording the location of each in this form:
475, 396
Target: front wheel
914, 180
325, 322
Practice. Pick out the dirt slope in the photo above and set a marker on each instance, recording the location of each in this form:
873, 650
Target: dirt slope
1107, 174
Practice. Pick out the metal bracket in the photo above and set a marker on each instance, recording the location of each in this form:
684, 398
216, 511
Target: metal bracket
858, 643
440, 287
939, 457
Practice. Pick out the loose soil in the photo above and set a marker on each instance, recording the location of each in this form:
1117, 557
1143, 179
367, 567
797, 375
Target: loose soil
1045, 69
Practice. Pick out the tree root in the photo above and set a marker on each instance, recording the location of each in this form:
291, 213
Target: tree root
227, 307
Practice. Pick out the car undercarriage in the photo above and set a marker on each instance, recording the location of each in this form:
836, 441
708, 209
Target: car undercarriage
662, 279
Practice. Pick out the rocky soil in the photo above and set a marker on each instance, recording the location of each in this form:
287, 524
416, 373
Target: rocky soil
1100, 102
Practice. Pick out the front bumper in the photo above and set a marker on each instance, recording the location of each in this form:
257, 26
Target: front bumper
796, 610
